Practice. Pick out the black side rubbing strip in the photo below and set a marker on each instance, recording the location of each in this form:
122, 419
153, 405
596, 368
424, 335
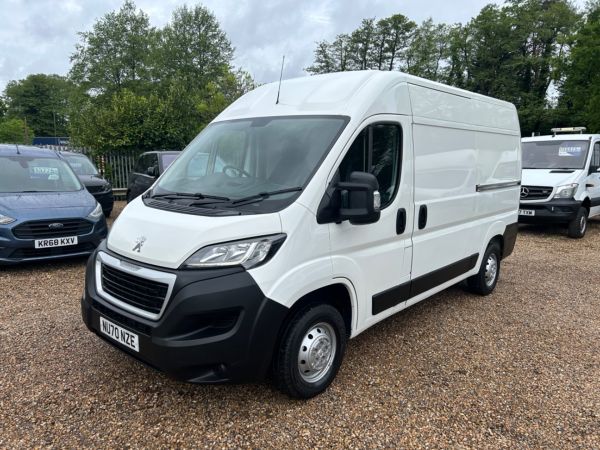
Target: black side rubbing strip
494, 186
398, 294
390, 298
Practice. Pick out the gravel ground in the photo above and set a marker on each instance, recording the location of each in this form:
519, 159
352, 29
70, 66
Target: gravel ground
518, 369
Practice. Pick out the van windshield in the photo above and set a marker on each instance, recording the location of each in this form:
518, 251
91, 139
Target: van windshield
19, 173
238, 159
81, 165
555, 154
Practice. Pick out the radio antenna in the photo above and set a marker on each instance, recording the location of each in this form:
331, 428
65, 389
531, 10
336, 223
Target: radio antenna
280, 76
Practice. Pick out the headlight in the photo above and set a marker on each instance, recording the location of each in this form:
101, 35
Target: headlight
566, 191
247, 253
96, 213
4, 220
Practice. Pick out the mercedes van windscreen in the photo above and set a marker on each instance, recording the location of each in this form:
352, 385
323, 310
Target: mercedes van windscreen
20, 173
555, 154
251, 165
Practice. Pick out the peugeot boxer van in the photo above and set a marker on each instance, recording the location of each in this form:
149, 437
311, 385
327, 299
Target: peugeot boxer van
302, 215
561, 179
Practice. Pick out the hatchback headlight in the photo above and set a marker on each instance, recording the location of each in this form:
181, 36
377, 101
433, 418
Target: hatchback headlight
5, 220
96, 213
247, 253
566, 191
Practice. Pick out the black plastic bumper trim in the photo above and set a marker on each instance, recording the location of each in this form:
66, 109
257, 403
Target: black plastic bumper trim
405, 291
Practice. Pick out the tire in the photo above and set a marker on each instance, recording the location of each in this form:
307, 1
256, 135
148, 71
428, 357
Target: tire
484, 282
299, 370
578, 226
107, 213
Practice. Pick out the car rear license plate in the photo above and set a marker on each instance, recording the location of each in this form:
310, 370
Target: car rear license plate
119, 334
56, 242
527, 212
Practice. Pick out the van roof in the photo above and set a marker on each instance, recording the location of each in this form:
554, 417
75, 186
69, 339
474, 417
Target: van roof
562, 137
26, 150
353, 93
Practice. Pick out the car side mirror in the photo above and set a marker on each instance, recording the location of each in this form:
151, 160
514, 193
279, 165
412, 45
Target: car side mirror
357, 200
152, 171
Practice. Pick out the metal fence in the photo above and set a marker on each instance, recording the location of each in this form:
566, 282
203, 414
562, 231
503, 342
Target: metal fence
116, 166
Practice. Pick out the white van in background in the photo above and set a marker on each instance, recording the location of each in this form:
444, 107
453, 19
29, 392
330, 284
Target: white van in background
561, 179
287, 227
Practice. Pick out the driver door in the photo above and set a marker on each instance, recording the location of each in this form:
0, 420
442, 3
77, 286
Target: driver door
377, 257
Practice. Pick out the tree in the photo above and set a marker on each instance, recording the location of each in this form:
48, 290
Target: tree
3, 108
516, 53
15, 131
579, 101
193, 49
428, 51
142, 88
116, 54
42, 100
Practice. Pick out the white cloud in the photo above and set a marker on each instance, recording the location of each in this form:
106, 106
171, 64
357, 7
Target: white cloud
39, 36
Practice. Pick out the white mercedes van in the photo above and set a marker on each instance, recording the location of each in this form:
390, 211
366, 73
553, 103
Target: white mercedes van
286, 228
561, 179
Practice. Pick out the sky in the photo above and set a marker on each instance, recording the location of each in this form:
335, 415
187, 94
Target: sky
38, 36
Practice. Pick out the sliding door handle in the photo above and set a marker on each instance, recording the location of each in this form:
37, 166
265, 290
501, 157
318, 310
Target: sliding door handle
422, 216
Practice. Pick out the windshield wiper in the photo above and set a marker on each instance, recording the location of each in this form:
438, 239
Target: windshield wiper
189, 195
263, 195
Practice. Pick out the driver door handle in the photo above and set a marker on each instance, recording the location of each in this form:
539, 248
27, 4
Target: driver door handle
400, 221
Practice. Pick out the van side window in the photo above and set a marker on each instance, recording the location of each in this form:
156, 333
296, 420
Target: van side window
376, 150
595, 164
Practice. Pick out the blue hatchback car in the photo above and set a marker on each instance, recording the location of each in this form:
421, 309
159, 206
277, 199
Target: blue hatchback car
45, 212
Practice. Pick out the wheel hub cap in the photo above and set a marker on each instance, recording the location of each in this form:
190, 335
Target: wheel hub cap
317, 352
491, 269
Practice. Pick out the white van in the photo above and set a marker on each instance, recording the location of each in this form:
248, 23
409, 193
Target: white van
561, 179
287, 227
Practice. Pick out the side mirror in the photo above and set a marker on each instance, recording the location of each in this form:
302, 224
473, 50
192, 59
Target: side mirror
357, 200
152, 171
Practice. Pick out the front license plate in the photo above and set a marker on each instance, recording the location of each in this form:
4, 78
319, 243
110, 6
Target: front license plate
119, 334
56, 242
527, 212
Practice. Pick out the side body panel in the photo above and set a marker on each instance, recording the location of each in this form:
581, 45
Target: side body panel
467, 171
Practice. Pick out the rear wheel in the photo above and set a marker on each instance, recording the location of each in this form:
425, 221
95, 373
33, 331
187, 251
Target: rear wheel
311, 351
578, 226
484, 282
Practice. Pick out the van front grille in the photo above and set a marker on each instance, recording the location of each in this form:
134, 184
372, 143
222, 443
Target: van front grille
42, 229
142, 293
535, 192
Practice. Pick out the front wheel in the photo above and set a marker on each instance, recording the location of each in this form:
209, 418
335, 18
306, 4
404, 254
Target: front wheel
311, 351
578, 226
484, 282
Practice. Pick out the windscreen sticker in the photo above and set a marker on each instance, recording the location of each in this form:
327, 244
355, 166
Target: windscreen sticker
570, 151
49, 173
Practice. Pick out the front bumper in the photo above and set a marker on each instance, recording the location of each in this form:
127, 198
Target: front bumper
15, 251
217, 325
553, 211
